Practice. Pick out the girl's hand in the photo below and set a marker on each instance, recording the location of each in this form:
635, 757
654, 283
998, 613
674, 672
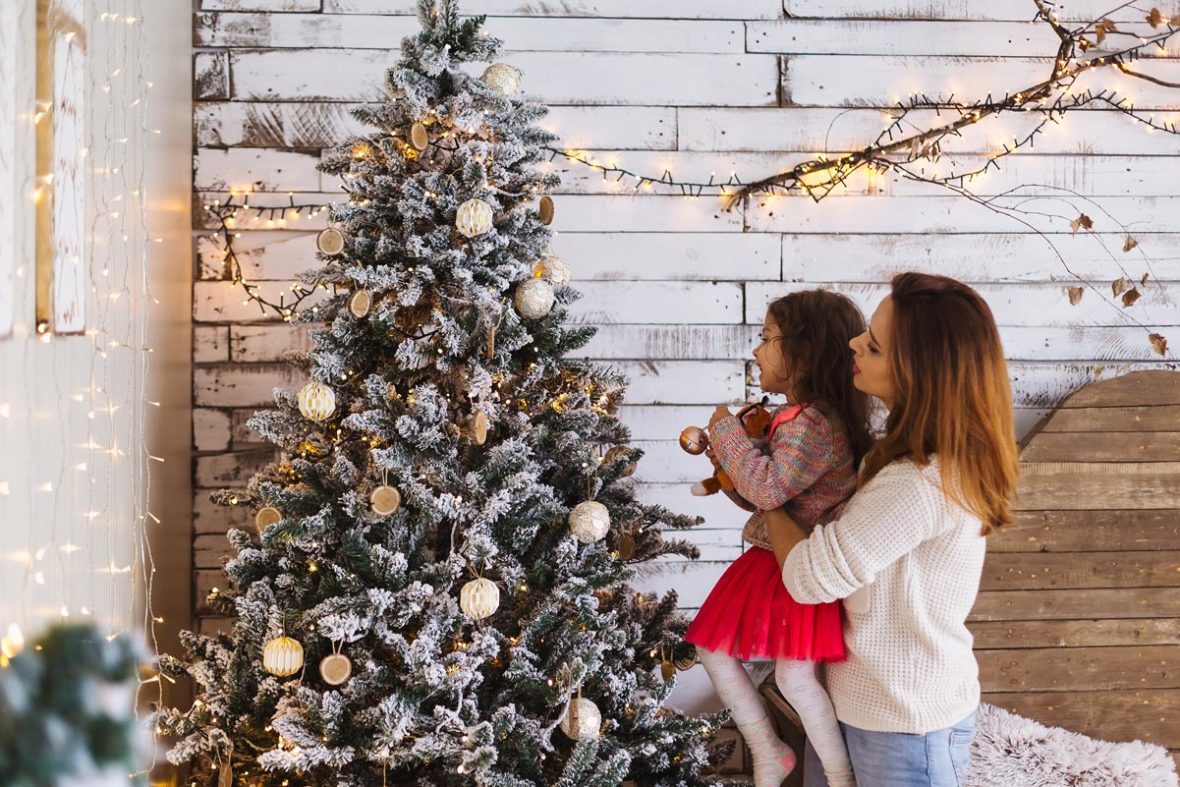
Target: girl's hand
721, 412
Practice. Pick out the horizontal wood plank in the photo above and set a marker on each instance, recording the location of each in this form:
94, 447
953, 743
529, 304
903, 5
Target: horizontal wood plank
1079, 669
1095, 446
1102, 485
653, 9
1122, 603
1074, 633
655, 79
1087, 570
1161, 418
1155, 388
1088, 531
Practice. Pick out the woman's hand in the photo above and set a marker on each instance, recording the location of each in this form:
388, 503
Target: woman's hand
720, 413
784, 533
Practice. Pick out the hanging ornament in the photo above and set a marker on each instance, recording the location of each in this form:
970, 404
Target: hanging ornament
687, 661
360, 303
503, 78
282, 656
625, 546
667, 668
473, 218
418, 136
317, 401
582, 719
545, 210
589, 521
553, 268
479, 598
620, 453
385, 500
336, 668
694, 440
534, 298
478, 427
267, 516
330, 242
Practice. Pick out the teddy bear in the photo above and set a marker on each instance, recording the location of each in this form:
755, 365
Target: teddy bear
755, 419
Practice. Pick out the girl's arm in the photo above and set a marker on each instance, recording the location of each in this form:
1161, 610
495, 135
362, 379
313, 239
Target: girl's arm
737, 499
890, 516
800, 453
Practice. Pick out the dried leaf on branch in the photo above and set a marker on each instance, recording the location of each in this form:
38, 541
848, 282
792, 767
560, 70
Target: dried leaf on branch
1130, 296
1159, 343
1155, 18
1129, 243
1143, 281
1119, 286
1083, 221
1075, 295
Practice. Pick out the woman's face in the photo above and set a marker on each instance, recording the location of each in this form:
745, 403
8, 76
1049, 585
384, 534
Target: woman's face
870, 362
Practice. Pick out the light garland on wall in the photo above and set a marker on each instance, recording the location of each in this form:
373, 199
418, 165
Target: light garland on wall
900, 147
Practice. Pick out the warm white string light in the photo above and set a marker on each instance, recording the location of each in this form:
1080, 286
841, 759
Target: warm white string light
76, 471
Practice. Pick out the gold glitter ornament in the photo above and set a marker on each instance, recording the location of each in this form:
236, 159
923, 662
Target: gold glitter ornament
534, 298
503, 78
589, 521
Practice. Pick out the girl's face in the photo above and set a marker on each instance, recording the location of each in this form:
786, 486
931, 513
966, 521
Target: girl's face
871, 372
774, 375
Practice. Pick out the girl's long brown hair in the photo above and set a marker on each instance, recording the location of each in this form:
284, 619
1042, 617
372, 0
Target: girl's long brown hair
816, 326
952, 396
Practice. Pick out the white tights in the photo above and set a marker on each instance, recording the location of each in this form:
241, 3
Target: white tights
797, 680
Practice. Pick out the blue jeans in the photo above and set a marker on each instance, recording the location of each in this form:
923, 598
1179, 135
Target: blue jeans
898, 759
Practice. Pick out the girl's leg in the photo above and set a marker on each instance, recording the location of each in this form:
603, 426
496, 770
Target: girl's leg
773, 759
801, 687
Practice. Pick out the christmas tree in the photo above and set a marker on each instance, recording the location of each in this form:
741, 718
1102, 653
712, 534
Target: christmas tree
439, 590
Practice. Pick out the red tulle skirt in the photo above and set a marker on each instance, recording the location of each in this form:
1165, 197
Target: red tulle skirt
750, 615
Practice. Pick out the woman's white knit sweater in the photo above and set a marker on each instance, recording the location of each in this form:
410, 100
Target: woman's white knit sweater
908, 562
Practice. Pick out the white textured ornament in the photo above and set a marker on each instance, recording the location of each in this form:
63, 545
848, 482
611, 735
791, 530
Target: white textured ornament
317, 401
330, 241
582, 719
503, 78
479, 598
385, 500
589, 521
534, 298
282, 656
335, 669
553, 268
474, 217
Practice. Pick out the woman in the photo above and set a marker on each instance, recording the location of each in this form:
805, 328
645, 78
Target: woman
907, 552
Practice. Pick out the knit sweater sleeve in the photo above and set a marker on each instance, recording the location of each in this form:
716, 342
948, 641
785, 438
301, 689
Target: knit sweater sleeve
800, 453
888, 517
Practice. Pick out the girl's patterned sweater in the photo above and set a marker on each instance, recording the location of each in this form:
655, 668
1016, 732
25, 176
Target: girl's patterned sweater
809, 468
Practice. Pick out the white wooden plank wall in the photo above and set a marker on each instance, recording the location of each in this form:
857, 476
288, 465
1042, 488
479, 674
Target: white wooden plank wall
700, 87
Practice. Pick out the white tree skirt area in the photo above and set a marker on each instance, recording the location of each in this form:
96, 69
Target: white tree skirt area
1011, 751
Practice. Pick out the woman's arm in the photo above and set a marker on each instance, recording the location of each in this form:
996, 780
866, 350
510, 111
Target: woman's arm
784, 533
887, 518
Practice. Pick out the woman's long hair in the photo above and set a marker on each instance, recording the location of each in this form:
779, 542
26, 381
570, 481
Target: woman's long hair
816, 326
952, 396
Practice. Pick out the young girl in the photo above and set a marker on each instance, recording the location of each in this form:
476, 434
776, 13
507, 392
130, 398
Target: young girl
815, 442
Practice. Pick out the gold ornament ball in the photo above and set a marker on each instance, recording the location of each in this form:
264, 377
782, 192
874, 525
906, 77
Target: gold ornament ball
317, 401
282, 656
553, 268
589, 521
335, 669
479, 598
330, 242
385, 500
694, 440
582, 719
534, 298
473, 218
267, 516
503, 78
